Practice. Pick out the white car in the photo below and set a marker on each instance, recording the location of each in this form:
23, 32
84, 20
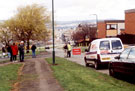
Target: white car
101, 51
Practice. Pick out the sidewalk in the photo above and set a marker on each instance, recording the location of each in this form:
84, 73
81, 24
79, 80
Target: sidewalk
79, 59
36, 75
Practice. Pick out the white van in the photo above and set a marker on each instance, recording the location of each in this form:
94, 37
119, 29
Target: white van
101, 51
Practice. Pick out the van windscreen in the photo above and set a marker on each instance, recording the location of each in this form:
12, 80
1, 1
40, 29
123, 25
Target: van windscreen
104, 45
116, 44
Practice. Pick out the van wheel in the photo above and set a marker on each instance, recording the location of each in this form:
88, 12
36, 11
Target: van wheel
86, 64
96, 65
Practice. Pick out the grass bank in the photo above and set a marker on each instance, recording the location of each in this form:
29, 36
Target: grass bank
8, 76
74, 77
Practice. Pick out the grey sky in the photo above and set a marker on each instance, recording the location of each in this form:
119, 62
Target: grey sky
67, 10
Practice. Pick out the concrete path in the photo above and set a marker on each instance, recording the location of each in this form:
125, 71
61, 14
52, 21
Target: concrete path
37, 75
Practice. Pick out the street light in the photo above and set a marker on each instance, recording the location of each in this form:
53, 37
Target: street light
96, 21
53, 52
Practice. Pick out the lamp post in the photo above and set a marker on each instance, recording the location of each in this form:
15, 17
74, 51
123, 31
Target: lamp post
96, 22
53, 52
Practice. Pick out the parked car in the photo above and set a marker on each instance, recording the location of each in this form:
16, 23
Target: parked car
124, 64
101, 51
47, 47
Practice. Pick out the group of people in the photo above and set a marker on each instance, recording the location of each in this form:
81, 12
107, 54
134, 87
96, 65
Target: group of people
12, 51
67, 49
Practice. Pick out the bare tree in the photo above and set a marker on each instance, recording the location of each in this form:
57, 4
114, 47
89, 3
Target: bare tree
84, 31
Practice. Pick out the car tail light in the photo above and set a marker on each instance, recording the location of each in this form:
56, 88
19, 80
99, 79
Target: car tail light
98, 57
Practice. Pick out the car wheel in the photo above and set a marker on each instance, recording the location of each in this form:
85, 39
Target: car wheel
96, 65
86, 64
111, 72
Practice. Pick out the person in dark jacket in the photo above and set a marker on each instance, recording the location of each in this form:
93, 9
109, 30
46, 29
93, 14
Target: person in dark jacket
65, 50
3, 51
9, 50
21, 51
33, 48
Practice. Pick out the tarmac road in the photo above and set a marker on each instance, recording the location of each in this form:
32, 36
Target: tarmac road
77, 59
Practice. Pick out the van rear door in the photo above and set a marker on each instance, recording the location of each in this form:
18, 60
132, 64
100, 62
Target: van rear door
105, 49
117, 46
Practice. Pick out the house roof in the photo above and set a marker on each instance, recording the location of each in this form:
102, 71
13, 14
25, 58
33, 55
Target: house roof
112, 21
130, 11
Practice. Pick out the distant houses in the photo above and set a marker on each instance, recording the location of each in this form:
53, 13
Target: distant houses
110, 28
125, 29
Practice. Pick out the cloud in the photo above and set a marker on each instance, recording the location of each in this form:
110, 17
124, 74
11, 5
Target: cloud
73, 9
105, 9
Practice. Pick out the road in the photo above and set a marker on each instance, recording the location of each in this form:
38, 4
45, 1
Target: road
79, 59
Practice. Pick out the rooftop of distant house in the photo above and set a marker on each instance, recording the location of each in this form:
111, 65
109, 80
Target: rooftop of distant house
130, 11
112, 21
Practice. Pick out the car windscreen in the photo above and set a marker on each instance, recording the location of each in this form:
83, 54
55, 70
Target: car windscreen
104, 45
116, 44
132, 54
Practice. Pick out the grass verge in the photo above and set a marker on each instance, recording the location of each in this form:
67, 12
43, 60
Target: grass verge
74, 77
8, 76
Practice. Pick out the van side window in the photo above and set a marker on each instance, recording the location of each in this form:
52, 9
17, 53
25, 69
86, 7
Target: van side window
89, 48
93, 47
104, 45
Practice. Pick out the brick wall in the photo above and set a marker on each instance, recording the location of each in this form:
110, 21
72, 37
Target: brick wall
101, 30
130, 23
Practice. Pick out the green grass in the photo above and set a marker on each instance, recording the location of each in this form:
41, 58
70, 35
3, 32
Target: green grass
83, 49
74, 77
38, 51
8, 76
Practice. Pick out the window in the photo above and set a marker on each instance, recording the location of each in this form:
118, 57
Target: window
124, 54
104, 45
111, 26
89, 47
132, 54
116, 44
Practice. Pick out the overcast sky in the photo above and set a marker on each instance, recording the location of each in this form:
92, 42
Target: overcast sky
68, 10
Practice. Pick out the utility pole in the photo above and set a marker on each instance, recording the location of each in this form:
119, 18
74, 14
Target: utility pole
53, 52
96, 23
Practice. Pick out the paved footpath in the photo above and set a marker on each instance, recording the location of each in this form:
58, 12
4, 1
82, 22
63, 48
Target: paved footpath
37, 76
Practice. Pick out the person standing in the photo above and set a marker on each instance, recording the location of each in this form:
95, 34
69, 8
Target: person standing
14, 51
3, 51
69, 50
65, 50
21, 51
9, 50
33, 48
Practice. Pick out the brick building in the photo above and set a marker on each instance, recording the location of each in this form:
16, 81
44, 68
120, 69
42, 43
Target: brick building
110, 28
128, 35
130, 22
